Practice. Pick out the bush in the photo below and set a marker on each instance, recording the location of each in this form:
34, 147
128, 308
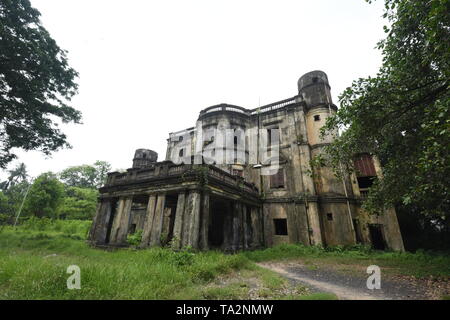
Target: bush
134, 239
37, 224
183, 258
79, 203
45, 196
5, 219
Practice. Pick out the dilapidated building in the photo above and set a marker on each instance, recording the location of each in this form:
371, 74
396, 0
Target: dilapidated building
195, 199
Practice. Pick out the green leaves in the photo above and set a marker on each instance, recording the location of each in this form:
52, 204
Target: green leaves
45, 196
79, 203
36, 83
86, 176
403, 114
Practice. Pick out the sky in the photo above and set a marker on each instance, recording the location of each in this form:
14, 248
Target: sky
147, 68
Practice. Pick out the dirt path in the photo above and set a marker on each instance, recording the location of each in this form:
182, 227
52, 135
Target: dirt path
344, 286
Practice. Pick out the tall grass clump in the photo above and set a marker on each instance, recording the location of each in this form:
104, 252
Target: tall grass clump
78, 228
34, 261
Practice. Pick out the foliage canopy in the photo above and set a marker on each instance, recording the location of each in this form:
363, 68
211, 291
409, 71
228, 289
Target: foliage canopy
36, 83
86, 176
402, 115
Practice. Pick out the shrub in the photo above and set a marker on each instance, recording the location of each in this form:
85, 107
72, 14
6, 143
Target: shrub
183, 258
134, 239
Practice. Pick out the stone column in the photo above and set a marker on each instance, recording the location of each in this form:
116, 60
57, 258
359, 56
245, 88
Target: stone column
155, 237
244, 228
193, 222
204, 232
99, 228
150, 213
167, 216
392, 230
391, 227
256, 227
314, 224
237, 217
305, 156
293, 223
108, 213
125, 221
267, 226
179, 220
185, 232
228, 229
95, 221
121, 221
116, 221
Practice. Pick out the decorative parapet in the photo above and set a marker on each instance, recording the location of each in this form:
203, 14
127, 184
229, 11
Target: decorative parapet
249, 112
167, 169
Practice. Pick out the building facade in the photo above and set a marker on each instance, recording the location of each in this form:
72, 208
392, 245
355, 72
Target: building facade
225, 184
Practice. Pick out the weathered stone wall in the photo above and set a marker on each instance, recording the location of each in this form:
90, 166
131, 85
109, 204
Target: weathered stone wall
319, 208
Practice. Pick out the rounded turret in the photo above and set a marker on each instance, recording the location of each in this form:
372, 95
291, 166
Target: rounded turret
144, 158
314, 88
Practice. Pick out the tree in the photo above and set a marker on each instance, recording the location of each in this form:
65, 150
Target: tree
36, 83
420, 231
4, 205
79, 203
13, 191
16, 175
102, 168
402, 115
14, 196
86, 176
4, 210
45, 196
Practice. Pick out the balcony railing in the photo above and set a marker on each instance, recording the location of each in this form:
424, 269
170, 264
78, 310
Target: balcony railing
364, 193
168, 169
249, 112
274, 106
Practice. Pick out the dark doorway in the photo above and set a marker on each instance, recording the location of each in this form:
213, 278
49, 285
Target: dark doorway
138, 213
218, 211
249, 227
170, 209
113, 209
376, 235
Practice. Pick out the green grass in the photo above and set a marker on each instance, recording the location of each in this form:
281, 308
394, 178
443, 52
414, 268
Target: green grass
33, 265
313, 296
233, 291
420, 264
34, 259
